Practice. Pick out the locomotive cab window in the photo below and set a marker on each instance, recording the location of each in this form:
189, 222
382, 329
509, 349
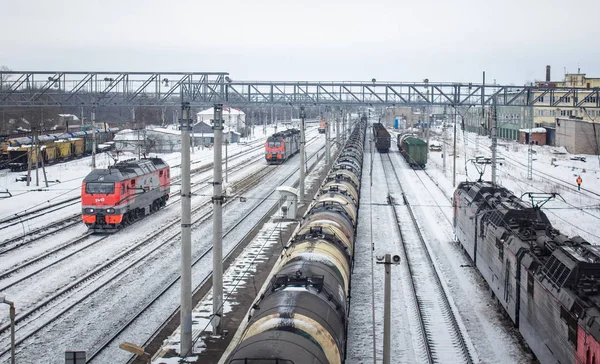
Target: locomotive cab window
100, 188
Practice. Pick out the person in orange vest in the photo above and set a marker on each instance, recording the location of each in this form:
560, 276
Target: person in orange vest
579, 180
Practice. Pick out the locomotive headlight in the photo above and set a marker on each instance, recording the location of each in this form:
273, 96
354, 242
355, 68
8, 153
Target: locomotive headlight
89, 210
110, 211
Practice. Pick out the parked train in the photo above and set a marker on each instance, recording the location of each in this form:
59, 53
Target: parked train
54, 147
302, 317
117, 196
383, 140
282, 145
322, 126
548, 283
413, 149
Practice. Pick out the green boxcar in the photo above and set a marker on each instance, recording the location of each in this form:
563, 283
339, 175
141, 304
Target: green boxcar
415, 152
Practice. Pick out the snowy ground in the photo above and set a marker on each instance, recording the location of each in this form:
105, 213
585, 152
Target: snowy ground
113, 302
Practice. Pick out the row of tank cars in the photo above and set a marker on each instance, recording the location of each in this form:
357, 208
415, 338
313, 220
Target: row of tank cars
117, 196
302, 316
280, 146
548, 283
17, 153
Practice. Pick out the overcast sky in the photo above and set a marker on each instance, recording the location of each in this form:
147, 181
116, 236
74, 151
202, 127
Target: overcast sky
512, 40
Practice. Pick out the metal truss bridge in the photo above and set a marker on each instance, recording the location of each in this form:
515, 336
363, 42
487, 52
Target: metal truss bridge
164, 89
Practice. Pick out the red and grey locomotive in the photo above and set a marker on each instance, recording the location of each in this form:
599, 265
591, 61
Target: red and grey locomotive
281, 146
548, 283
124, 192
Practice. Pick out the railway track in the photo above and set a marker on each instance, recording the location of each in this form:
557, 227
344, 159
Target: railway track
202, 184
207, 280
39, 233
443, 338
18, 218
64, 297
135, 256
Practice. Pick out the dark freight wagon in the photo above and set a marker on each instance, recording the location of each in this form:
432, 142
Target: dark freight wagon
413, 149
383, 140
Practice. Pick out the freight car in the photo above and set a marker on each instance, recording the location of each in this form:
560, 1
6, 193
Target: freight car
383, 141
54, 147
548, 283
117, 196
302, 317
322, 127
413, 149
4, 152
279, 147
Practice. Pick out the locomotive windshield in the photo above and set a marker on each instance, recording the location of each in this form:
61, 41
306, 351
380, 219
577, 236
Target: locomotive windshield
100, 188
274, 143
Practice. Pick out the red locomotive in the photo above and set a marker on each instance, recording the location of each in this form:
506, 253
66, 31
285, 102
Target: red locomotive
117, 196
281, 146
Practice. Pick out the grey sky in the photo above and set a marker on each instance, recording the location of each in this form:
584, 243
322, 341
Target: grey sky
512, 40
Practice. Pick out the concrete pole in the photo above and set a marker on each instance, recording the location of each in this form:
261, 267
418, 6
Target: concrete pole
264, 117
186, 234
218, 224
93, 137
494, 140
36, 146
29, 157
327, 139
337, 130
12, 327
302, 170
454, 155
387, 317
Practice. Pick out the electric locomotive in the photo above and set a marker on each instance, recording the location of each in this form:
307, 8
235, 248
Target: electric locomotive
281, 146
302, 316
548, 283
117, 196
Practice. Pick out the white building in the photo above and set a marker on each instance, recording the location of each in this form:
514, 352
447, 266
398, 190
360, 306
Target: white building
233, 118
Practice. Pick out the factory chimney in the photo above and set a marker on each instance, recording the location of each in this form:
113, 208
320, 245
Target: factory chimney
548, 73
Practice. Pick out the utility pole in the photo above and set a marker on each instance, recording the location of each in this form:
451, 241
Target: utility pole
454, 154
337, 130
227, 141
41, 158
344, 116
272, 121
186, 234
302, 170
387, 309
327, 146
530, 151
218, 224
36, 148
94, 137
444, 128
494, 140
